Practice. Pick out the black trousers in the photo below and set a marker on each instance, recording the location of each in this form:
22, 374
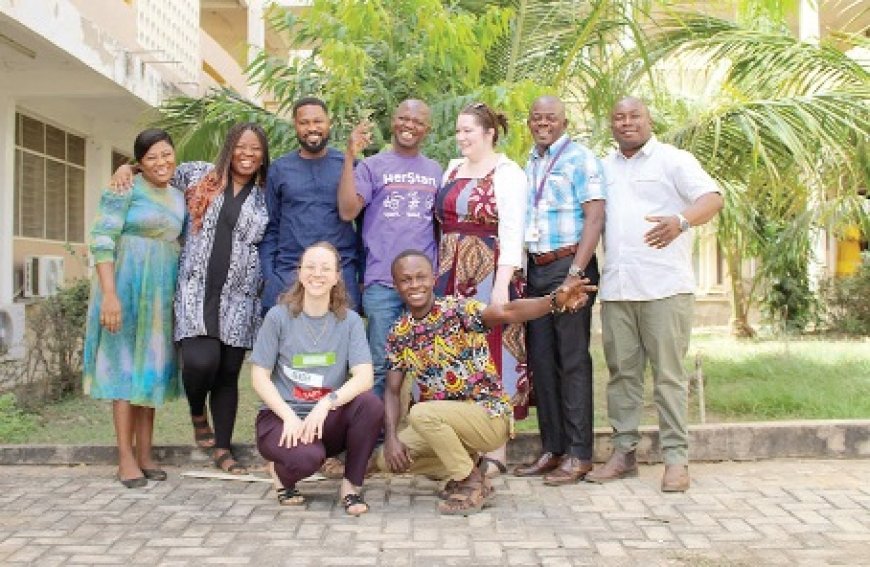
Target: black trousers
210, 369
561, 366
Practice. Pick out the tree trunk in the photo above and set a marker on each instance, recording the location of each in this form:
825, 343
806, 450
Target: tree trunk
740, 301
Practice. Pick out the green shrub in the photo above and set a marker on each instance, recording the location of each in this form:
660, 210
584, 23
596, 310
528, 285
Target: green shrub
55, 344
846, 302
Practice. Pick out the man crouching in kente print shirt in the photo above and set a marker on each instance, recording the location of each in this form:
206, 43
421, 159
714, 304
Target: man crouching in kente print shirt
440, 345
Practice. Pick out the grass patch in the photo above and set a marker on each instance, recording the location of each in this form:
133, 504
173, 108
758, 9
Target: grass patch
745, 381
16, 425
772, 380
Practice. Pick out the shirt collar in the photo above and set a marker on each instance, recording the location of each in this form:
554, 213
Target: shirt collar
549, 151
646, 150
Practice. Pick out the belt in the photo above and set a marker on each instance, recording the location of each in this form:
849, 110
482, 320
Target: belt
545, 258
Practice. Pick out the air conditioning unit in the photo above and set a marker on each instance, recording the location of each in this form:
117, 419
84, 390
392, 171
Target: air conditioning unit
12, 331
43, 275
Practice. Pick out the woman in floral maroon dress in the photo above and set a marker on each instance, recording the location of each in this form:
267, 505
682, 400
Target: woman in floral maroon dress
481, 212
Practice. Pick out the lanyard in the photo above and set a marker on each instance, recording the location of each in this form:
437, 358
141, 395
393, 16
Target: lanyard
540, 191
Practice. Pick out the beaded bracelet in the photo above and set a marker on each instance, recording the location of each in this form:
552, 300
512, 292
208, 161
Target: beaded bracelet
554, 307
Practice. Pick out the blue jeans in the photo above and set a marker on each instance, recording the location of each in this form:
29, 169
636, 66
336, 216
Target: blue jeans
382, 306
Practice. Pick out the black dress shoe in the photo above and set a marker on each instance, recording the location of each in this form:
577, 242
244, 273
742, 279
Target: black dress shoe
154, 474
544, 464
137, 482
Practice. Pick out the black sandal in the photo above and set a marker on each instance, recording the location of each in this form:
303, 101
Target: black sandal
352, 499
235, 468
290, 496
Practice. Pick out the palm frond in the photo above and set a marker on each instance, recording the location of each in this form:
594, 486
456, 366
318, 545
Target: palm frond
735, 139
760, 64
199, 126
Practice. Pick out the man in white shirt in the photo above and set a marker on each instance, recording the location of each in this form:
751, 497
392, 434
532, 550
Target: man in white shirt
656, 193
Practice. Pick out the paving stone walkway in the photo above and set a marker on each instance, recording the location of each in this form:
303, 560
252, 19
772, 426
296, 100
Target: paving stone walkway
787, 512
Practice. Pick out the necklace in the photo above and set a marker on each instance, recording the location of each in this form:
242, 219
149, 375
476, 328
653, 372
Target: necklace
313, 334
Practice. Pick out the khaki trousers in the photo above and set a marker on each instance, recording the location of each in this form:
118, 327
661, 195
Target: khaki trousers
658, 331
444, 437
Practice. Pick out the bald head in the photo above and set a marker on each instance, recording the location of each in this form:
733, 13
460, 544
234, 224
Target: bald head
411, 123
631, 125
547, 121
413, 105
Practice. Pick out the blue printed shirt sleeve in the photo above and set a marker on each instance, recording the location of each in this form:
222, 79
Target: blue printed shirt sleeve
589, 182
109, 224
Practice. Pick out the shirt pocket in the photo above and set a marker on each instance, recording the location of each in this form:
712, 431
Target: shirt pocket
560, 192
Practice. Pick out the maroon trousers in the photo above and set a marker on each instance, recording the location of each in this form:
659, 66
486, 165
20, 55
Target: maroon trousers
352, 428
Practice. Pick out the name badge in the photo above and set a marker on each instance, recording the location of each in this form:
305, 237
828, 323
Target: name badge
533, 234
313, 359
307, 379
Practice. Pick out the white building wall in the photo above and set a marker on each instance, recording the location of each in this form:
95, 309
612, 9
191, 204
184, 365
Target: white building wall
7, 177
169, 29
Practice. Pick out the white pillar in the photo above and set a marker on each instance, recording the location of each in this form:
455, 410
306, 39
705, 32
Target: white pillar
256, 36
809, 30
809, 25
7, 196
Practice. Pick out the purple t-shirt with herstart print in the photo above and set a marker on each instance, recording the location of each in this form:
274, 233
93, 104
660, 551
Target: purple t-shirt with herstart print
399, 195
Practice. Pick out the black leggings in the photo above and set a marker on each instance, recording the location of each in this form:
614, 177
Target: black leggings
211, 367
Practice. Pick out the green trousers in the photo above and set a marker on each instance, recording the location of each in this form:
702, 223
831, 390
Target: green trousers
657, 331
444, 437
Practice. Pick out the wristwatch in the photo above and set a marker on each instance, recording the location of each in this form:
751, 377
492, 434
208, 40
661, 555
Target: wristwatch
576, 270
333, 399
684, 223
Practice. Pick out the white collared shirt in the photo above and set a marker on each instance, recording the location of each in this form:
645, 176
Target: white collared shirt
659, 180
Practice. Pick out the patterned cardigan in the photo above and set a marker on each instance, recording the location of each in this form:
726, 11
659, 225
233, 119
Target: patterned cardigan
240, 316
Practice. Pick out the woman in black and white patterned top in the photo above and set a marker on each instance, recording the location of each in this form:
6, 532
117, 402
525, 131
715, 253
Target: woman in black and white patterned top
217, 303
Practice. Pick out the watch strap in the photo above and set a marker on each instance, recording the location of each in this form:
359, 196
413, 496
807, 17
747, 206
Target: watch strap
684, 222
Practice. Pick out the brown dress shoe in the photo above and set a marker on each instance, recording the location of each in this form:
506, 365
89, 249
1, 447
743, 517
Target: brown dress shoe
675, 479
571, 470
620, 465
542, 465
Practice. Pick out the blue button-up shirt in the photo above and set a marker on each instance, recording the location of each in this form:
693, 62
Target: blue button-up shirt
576, 177
302, 200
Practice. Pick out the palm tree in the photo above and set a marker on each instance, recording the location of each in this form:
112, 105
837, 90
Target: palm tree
784, 133
367, 57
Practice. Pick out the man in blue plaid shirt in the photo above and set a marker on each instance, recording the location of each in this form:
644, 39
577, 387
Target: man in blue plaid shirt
563, 226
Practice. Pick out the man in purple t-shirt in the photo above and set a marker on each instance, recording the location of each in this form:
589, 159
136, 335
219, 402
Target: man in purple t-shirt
397, 189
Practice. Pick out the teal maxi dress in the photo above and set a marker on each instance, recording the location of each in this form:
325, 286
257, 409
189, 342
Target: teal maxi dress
138, 231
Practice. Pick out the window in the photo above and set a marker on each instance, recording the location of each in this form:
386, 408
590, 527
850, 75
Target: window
119, 159
49, 182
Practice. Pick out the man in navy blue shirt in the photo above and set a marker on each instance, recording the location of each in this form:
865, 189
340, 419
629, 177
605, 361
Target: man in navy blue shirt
301, 197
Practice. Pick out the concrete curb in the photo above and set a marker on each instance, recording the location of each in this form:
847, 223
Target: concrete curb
835, 439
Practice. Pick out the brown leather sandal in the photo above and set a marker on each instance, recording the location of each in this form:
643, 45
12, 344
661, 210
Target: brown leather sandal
448, 489
468, 496
203, 435
227, 463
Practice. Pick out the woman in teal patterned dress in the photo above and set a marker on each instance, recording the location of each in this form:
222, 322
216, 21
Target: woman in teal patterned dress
129, 354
